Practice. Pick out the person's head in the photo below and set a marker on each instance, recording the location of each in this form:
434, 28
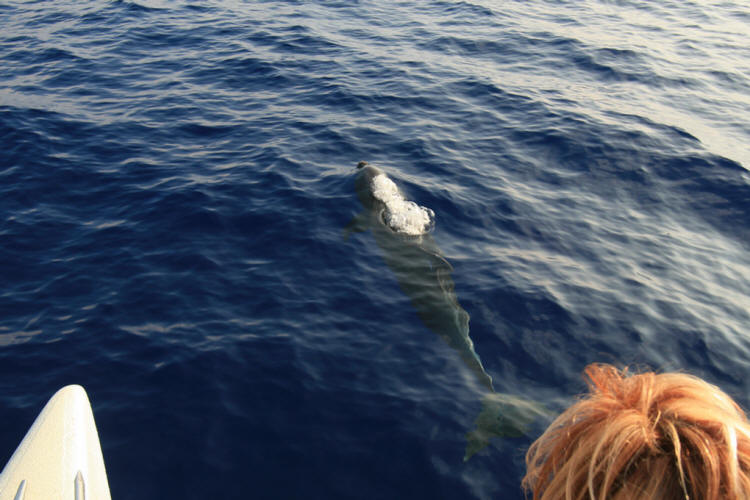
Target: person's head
644, 436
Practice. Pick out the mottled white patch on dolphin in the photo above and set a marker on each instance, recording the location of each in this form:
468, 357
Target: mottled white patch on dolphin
400, 214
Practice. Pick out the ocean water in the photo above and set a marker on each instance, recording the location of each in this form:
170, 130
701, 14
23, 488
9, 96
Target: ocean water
177, 191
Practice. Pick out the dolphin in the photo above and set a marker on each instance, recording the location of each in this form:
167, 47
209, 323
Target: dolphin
410, 252
424, 275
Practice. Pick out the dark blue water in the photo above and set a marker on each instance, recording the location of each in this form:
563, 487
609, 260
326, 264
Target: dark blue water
175, 180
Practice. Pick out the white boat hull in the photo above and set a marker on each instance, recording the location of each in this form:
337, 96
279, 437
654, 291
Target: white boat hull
60, 457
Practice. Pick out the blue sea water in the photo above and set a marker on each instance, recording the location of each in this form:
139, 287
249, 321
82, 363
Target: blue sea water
176, 177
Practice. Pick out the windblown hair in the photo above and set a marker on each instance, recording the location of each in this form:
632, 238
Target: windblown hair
667, 436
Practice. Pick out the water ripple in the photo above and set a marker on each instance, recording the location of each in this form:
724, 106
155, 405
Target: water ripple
176, 180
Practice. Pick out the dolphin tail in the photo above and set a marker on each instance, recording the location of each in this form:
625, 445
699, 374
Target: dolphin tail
502, 416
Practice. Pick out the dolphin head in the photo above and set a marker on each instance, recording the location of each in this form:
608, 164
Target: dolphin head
363, 185
380, 196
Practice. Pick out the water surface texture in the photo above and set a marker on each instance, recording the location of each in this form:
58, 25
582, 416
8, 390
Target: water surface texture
176, 183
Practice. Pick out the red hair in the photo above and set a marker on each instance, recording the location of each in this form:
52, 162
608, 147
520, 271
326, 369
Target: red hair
646, 436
